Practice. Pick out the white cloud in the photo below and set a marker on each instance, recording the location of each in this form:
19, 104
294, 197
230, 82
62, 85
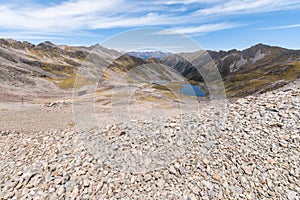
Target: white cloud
198, 29
122, 21
78, 15
82, 15
23, 35
249, 6
32, 37
187, 1
282, 27
75, 8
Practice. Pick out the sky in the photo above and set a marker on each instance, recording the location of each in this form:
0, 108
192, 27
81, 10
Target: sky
212, 24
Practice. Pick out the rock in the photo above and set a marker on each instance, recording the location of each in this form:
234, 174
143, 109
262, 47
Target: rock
148, 161
194, 189
19, 186
177, 165
236, 190
147, 177
271, 161
28, 176
261, 181
256, 158
61, 191
48, 178
179, 143
205, 161
208, 184
172, 170
247, 170
58, 181
99, 186
32, 192
292, 195
75, 193
86, 183
181, 170
9, 195
52, 189
216, 176
13, 184
160, 183
66, 178
172, 125
192, 196
132, 180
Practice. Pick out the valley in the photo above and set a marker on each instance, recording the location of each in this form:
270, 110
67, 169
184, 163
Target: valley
90, 122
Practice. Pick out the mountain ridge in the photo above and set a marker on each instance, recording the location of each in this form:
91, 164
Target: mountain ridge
38, 70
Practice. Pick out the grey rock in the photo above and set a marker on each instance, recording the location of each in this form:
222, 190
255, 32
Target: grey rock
292, 195
9, 195
147, 177
172, 170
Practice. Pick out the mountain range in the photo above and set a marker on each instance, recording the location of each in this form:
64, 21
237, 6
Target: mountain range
47, 70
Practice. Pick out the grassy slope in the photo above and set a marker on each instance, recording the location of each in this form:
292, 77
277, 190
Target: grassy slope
242, 84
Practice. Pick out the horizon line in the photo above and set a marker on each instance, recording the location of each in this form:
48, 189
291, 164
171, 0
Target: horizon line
95, 44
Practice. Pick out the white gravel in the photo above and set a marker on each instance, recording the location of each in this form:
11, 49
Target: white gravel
255, 156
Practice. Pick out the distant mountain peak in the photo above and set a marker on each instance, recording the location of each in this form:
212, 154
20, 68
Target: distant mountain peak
260, 45
46, 43
148, 54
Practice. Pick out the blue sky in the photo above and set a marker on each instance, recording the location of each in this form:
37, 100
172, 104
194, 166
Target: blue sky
214, 24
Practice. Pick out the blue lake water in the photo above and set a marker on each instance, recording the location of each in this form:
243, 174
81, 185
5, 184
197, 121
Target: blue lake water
192, 90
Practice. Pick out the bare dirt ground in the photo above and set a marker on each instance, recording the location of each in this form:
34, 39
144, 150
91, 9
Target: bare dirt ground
46, 114
34, 117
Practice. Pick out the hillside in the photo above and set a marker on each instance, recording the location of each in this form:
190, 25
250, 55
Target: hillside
44, 70
253, 70
47, 70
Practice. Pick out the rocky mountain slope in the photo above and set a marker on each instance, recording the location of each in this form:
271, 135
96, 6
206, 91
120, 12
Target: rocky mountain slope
47, 70
256, 69
138, 70
43, 70
254, 157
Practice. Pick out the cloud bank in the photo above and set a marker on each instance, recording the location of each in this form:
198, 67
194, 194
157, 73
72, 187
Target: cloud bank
182, 16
